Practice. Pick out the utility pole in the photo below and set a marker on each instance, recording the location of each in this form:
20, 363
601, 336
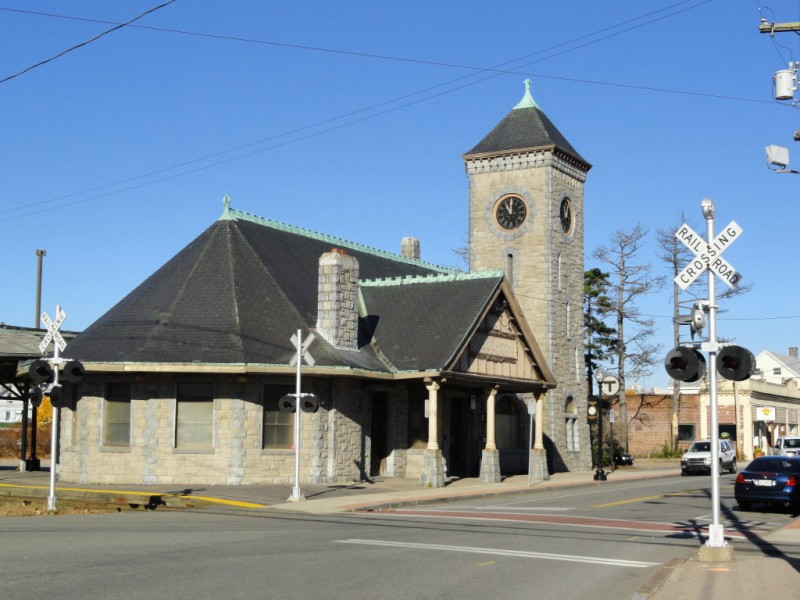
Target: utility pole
773, 28
784, 84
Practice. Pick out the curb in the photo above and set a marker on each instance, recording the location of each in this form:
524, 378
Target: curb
659, 579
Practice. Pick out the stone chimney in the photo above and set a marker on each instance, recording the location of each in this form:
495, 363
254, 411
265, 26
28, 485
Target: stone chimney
793, 351
409, 247
337, 299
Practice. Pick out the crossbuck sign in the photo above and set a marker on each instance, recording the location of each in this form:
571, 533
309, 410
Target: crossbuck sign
53, 333
708, 255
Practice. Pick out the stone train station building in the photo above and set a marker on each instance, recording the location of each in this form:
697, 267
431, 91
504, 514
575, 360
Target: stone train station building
420, 371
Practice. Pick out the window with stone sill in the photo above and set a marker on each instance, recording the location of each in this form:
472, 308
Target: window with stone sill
117, 415
194, 416
278, 426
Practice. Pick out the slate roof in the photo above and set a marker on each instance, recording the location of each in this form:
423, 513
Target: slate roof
425, 322
524, 128
238, 292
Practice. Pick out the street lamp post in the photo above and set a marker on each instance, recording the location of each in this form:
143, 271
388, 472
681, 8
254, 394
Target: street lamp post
599, 474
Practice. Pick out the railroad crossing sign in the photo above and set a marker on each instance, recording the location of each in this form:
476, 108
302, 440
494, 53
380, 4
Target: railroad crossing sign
708, 255
302, 350
52, 331
609, 386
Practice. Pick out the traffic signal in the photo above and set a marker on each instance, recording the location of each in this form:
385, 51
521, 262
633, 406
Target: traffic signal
685, 364
35, 396
735, 363
73, 372
309, 403
57, 397
287, 403
40, 371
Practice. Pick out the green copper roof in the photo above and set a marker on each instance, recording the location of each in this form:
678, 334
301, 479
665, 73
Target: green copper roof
527, 100
416, 279
231, 214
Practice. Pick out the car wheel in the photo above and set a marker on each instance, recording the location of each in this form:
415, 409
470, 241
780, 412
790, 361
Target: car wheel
733, 467
743, 504
683, 472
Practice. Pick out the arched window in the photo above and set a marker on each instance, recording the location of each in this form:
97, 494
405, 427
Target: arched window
559, 273
507, 423
568, 320
571, 425
510, 268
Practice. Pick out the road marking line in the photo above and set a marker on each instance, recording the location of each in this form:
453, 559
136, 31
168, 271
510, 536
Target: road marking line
143, 494
628, 501
594, 560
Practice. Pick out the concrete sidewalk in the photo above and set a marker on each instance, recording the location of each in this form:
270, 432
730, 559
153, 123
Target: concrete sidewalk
378, 494
751, 573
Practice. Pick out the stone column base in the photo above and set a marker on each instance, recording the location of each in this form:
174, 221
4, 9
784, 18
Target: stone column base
432, 474
716, 554
490, 466
538, 465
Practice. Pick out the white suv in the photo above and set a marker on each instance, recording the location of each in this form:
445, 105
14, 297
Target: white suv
697, 458
787, 446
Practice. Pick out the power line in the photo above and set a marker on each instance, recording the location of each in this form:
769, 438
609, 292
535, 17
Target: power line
494, 71
82, 44
372, 55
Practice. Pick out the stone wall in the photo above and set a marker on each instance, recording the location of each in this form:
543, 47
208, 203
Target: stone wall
333, 446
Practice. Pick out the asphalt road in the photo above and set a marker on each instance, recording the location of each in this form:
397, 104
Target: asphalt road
598, 542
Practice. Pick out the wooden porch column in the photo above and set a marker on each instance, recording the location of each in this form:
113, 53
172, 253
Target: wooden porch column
433, 414
432, 473
491, 443
490, 457
538, 459
538, 440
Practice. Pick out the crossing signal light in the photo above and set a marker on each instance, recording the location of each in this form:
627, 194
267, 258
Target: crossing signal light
685, 364
287, 403
309, 403
35, 396
735, 363
73, 372
57, 397
40, 371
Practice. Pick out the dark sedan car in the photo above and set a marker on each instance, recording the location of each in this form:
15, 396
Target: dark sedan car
769, 480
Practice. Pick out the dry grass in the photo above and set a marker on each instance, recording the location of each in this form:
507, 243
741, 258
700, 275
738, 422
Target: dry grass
10, 439
37, 507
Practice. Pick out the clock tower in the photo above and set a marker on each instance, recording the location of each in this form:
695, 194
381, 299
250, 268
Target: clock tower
526, 219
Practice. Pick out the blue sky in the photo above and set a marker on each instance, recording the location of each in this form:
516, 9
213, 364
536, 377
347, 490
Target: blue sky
350, 118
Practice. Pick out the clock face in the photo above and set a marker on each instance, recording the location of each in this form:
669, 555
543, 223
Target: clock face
592, 410
511, 212
565, 214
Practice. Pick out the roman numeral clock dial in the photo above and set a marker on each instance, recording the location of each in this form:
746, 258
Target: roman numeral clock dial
511, 212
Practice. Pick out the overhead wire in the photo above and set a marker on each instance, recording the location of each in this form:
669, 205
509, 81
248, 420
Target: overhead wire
494, 72
82, 44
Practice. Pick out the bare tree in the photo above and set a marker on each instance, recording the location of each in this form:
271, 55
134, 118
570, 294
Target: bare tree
635, 354
676, 255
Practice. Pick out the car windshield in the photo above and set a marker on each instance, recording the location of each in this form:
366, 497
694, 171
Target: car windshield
774, 465
700, 447
790, 443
